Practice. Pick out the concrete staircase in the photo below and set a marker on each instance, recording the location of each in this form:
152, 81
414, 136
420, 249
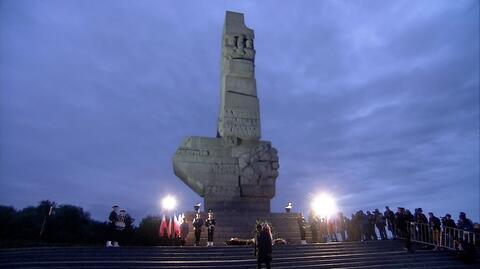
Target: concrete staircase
374, 254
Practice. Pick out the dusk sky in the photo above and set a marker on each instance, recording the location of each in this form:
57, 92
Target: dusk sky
376, 102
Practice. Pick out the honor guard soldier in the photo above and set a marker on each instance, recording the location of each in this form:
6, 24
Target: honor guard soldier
197, 228
112, 234
210, 224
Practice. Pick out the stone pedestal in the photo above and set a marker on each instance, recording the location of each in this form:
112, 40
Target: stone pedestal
285, 225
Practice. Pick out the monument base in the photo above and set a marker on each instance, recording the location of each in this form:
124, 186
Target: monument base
242, 226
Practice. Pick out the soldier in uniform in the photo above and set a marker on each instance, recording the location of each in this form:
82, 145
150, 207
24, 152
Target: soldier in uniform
112, 233
210, 224
197, 228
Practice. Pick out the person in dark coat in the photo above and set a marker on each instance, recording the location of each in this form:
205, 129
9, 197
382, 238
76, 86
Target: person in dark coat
313, 220
380, 223
265, 247
390, 217
258, 232
341, 226
112, 231
197, 228
448, 229
183, 232
404, 219
435, 225
302, 224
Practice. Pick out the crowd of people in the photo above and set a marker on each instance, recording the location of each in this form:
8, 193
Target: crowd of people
373, 225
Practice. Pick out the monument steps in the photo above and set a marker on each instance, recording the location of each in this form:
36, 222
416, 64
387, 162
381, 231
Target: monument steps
373, 254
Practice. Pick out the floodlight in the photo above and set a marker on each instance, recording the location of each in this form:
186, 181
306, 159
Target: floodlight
324, 205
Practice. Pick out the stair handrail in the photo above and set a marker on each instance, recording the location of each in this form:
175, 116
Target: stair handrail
445, 237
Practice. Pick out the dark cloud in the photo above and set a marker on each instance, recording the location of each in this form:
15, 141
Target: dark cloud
377, 102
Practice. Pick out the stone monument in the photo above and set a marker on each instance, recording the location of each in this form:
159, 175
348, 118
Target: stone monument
235, 171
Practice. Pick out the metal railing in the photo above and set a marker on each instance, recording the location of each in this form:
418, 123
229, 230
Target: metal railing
445, 237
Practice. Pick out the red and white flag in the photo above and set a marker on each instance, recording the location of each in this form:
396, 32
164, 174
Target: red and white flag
169, 232
177, 224
163, 226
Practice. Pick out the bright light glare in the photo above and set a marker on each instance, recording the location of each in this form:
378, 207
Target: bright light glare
324, 205
169, 202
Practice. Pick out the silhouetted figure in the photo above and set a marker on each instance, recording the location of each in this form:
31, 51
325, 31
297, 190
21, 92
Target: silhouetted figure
128, 231
302, 225
183, 232
390, 217
403, 219
448, 226
371, 226
464, 223
421, 231
380, 223
264, 247
323, 229
363, 220
197, 228
331, 229
258, 232
341, 226
313, 220
435, 225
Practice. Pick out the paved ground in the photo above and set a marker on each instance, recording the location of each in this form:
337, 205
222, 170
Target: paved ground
376, 254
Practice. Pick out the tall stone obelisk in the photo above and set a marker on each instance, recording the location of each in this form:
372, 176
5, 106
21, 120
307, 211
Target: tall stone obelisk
234, 171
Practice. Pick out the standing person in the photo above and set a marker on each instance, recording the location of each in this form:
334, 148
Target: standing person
302, 224
264, 247
112, 233
120, 227
331, 229
210, 224
380, 223
128, 227
258, 232
183, 232
465, 224
448, 229
341, 225
390, 217
197, 228
313, 220
322, 228
403, 219
434, 224
371, 226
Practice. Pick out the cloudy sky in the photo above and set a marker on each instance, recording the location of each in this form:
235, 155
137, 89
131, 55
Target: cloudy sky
376, 102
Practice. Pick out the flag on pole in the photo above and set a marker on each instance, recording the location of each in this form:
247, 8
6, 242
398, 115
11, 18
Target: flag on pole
177, 225
169, 232
163, 226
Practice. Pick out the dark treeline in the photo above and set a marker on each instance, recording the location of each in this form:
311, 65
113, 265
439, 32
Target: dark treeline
66, 225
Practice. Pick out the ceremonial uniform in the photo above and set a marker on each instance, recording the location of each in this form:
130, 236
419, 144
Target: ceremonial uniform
210, 224
197, 228
112, 232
